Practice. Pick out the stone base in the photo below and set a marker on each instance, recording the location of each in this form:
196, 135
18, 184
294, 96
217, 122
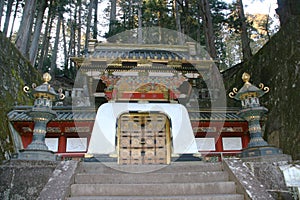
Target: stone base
101, 158
265, 153
186, 157
30, 154
113, 158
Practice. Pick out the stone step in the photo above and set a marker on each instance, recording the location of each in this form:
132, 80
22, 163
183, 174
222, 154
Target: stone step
187, 197
171, 189
111, 168
127, 178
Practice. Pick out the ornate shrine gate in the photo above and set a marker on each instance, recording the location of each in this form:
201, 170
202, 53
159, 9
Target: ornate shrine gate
144, 138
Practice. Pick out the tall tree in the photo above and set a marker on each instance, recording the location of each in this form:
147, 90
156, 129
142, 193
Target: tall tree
140, 21
24, 33
79, 28
72, 25
42, 5
7, 16
178, 22
95, 28
208, 28
113, 14
55, 47
2, 3
46, 36
247, 53
88, 24
14, 19
219, 19
66, 56
286, 9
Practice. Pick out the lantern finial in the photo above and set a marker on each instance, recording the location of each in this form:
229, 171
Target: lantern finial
47, 77
246, 77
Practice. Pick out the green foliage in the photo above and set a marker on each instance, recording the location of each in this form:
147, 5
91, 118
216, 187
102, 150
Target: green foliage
115, 28
157, 13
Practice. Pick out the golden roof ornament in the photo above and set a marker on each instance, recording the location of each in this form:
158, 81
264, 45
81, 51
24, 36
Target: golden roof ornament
246, 77
47, 77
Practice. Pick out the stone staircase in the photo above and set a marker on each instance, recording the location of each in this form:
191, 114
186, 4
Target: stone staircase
180, 180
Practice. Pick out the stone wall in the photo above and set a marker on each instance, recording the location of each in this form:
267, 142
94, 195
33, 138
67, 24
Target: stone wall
277, 65
270, 176
15, 72
24, 179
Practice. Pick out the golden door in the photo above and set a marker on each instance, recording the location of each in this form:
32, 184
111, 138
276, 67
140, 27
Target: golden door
144, 138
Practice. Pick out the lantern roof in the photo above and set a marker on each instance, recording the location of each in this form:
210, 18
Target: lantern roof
45, 90
248, 89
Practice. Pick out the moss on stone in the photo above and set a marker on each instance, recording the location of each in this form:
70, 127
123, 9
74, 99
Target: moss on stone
15, 73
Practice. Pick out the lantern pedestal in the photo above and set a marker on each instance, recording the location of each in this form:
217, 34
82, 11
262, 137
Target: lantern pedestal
252, 111
32, 154
41, 113
264, 154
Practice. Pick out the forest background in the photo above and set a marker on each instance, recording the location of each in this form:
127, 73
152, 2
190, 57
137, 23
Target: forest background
49, 32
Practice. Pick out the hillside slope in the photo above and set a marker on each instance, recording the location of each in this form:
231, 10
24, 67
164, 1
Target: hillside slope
15, 73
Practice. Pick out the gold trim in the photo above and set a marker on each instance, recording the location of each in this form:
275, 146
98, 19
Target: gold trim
253, 118
61, 96
88, 155
40, 119
46, 77
246, 77
263, 88
26, 89
233, 93
113, 155
39, 131
254, 129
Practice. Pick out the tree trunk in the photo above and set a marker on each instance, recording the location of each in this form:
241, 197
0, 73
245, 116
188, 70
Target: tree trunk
72, 43
178, 24
1, 11
286, 9
140, 33
42, 5
95, 28
208, 29
112, 17
55, 47
24, 33
7, 16
72, 38
14, 19
247, 53
47, 42
88, 25
66, 63
185, 10
79, 29
45, 37
130, 17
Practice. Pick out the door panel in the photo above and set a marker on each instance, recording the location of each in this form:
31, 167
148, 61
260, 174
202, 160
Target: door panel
144, 138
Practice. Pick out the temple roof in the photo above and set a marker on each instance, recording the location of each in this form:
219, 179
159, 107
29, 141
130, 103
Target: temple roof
67, 114
214, 116
112, 53
139, 54
63, 114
